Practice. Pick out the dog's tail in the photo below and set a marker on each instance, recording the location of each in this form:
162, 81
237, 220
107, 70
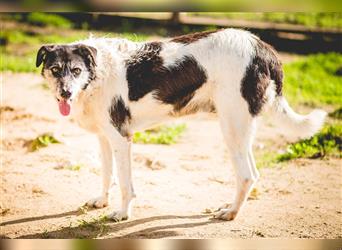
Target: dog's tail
303, 126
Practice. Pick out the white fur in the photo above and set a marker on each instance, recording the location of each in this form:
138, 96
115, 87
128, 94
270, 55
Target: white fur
224, 55
302, 126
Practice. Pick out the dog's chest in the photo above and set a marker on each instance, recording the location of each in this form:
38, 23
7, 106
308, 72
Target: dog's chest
86, 114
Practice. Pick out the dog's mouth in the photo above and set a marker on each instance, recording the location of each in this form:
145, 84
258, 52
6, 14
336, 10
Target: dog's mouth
64, 106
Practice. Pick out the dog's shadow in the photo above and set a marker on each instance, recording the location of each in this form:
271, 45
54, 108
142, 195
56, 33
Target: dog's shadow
94, 229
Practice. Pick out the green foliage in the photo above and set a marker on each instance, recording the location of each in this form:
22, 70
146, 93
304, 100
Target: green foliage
326, 143
265, 159
133, 36
45, 19
97, 225
160, 135
313, 19
41, 141
17, 63
19, 53
17, 36
325, 20
337, 114
313, 80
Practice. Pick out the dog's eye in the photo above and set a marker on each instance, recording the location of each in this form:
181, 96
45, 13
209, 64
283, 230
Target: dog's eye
76, 71
55, 69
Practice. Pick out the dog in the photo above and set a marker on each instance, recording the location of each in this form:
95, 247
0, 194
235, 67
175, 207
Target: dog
113, 87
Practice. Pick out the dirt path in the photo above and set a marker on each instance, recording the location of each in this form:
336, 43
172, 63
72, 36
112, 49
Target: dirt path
41, 196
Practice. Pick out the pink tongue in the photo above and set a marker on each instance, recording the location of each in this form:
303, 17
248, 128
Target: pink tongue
64, 107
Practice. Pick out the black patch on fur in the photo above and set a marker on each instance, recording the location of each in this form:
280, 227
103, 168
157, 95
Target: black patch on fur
88, 54
174, 85
265, 66
119, 114
193, 37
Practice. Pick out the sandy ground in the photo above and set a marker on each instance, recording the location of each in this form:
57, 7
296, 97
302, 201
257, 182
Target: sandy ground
41, 196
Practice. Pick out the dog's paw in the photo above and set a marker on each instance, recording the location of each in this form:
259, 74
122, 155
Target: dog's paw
118, 216
224, 206
98, 202
226, 214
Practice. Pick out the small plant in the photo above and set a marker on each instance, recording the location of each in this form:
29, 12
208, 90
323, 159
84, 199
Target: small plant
95, 224
266, 159
327, 142
74, 167
44, 19
82, 210
41, 141
69, 166
160, 135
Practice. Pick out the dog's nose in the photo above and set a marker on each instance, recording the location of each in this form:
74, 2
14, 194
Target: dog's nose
65, 94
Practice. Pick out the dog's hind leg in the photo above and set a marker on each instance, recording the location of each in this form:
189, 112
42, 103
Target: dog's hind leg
107, 173
238, 128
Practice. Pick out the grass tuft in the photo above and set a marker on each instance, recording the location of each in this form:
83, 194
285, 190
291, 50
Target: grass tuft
41, 141
326, 143
265, 159
74, 167
160, 135
95, 224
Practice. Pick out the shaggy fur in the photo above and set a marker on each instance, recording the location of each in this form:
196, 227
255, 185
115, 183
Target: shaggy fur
114, 87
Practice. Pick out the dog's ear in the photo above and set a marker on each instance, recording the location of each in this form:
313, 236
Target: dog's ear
87, 52
41, 55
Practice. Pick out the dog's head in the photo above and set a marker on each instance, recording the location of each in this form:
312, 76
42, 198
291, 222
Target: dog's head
69, 69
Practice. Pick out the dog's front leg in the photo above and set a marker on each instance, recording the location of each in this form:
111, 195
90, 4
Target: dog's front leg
122, 151
107, 172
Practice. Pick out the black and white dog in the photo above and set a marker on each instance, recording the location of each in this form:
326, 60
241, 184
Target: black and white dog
114, 87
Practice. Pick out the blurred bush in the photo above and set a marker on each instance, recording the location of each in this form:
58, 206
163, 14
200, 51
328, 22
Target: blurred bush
309, 19
44, 19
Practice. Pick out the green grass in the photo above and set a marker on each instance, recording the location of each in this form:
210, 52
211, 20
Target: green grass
315, 19
17, 63
45, 19
93, 223
19, 55
41, 141
313, 80
265, 158
19, 52
97, 225
326, 143
160, 135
